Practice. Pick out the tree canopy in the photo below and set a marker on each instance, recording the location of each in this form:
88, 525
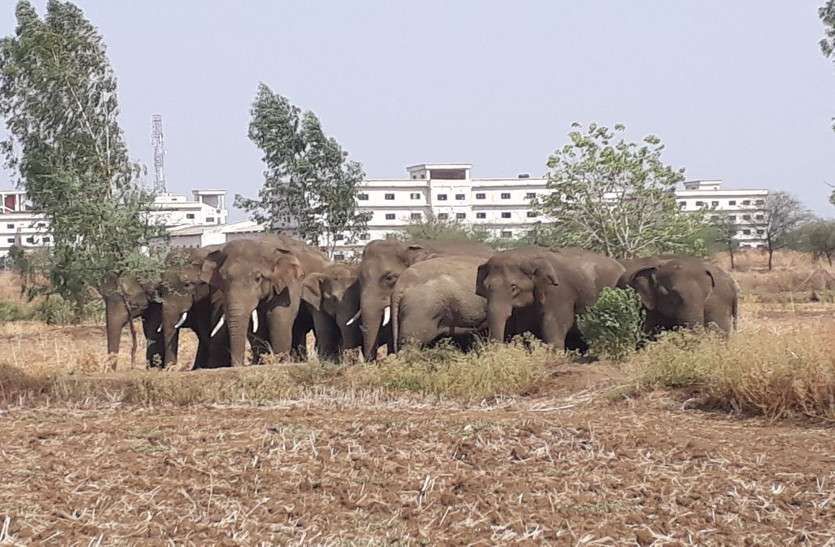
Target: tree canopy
615, 197
309, 182
58, 96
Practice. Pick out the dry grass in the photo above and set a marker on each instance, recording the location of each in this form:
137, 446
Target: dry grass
795, 278
761, 370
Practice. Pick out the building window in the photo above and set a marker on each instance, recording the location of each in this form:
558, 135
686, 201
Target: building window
759, 202
759, 217
714, 218
389, 216
732, 202
714, 204
415, 216
460, 197
460, 216
30, 239
210, 220
10, 226
10, 240
700, 204
190, 216
760, 232
530, 195
362, 197
480, 195
481, 215
682, 204
746, 217
746, 202
506, 215
365, 237
441, 197
746, 232
443, 216
505, 195
338, 256
390, 197
415, 195
732, 218
339, 237
532, 214
507, 233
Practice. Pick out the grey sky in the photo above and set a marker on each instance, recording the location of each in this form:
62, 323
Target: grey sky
737, 90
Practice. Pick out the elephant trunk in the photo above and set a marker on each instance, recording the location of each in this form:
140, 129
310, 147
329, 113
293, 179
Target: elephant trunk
237, 322
372, 318
497, 315
170, 320
116, 317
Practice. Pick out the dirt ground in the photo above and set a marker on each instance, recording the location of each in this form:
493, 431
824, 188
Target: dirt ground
565, 464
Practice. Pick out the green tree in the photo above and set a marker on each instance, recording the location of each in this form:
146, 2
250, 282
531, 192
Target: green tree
433, 228
827, 44
616, 197
784, 214
58, 95
310, 186
816, 237
725, 229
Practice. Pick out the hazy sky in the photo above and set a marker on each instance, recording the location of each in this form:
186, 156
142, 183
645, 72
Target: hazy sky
737, 90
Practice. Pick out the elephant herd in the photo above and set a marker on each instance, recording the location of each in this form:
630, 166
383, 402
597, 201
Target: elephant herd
272, 291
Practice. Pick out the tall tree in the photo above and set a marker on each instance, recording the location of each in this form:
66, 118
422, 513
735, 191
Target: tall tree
58, 95
616, 197
725, 229
784, 214
827, 44
310, 185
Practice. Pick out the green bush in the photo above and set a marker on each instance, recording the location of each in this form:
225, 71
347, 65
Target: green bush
54, 310
613, 326
12, 311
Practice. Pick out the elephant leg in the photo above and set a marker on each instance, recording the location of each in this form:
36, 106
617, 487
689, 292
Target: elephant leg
201, 359
555, 327
219, 355
328, 344
574, 341
302, 325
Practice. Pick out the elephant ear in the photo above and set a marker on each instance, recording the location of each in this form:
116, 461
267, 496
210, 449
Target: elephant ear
481, 276
543, 274
312, 290
209, 269
287, 270
645, 283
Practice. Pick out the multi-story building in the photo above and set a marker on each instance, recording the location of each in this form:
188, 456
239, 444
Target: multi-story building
24, 227
502, 206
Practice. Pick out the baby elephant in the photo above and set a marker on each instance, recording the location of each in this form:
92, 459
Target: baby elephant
435, 298
683, 292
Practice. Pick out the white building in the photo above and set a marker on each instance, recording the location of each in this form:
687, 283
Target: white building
502, 206
23, 227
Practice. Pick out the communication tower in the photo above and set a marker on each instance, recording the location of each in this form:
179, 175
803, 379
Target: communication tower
158, 142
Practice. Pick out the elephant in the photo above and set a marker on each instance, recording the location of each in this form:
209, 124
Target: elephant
127, 299
188, 302
382, 263
261, 278
683, 291
435, 298
333, 297
543, 290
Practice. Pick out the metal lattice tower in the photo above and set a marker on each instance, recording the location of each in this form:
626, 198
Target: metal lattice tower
158, 142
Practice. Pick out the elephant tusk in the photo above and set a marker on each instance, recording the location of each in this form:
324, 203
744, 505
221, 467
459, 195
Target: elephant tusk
182, 320
354, 318
217, 327
254, 320
386, 315
159, 328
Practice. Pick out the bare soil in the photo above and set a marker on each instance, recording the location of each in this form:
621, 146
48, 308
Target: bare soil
565, 466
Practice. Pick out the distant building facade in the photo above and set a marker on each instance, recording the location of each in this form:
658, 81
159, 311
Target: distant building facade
22, 226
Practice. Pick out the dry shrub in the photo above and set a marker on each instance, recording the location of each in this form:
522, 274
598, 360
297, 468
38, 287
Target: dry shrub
490, 370
760, 371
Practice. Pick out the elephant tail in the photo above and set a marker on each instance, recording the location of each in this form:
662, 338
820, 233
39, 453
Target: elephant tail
395, 319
